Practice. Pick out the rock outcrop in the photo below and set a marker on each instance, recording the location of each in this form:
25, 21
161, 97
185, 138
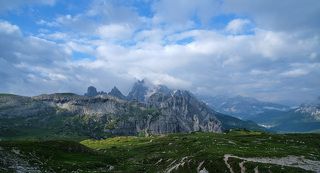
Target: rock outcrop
91, 91
115, 92
142, 90
182, 112
138, 91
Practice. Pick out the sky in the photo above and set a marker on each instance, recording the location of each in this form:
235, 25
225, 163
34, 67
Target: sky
267, 49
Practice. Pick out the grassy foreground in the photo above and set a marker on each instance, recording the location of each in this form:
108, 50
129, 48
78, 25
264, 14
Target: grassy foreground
171, 153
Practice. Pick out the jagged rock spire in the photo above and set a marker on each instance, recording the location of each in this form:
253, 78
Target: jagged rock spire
138, 91
117, 93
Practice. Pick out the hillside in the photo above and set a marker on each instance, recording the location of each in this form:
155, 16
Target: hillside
304, 118
195, 152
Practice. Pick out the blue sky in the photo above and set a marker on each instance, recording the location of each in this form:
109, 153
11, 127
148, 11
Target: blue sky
264, 49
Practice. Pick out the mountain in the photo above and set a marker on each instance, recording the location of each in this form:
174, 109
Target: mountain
138, 92
91, 91
192, 114
311, 111
143, 89
241, 107
99, 116
96, 117
276, 117
116, 93
146, 92
230, 122
305, 118
66, 114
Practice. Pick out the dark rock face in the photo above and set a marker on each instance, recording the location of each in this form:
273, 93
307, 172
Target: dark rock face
138, 92
115, 92
182, 112
162, 89
91, 91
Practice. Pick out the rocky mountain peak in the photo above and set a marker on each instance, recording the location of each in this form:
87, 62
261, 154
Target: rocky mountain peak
181, 93
309, 110
117, 93
138, 91
142, 90
91, 91
184, 110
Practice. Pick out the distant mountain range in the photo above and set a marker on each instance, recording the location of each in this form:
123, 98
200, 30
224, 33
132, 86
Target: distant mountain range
277, 117
148, 109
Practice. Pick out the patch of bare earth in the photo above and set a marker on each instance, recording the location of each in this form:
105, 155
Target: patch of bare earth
291, 161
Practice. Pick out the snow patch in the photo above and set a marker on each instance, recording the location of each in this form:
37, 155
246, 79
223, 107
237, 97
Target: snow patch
274, 108
268, 126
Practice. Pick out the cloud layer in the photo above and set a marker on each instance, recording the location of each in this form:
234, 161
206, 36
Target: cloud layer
207, 46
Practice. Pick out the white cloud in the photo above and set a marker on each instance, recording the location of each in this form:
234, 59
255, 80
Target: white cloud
113, 12
237, 26
75, 23
47, 23
179, 13
211, 59
272, 62
262, 72
294, 73
54, 36
284, 15
115, 31
8, 28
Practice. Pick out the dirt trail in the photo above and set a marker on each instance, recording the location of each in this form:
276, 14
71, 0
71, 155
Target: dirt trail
291, 161
176, 164
243, 168
256, 170
226, 158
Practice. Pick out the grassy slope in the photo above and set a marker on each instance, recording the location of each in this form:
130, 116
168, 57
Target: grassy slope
35, 129
208, 147
152, 154
57, 156
229, 122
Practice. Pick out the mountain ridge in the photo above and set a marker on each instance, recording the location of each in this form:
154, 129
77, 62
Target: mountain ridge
164, 111
281, 118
